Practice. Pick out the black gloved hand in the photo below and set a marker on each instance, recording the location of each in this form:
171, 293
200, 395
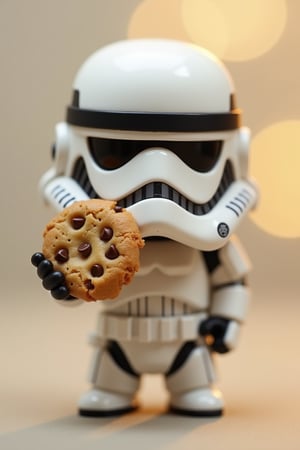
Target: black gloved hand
53, 280
214, 329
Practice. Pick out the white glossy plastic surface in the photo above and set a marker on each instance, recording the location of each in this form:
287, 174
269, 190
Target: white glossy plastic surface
148, 75
157, 317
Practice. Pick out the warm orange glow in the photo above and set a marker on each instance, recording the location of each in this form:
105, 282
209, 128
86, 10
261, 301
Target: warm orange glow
206, 25
275, 164
233, 29
157, 19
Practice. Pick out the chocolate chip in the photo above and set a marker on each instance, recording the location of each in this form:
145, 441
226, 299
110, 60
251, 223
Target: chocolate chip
89, 285
85, 249
106, 234
77, 222
62, 255
112, 252
97, 270
118, 209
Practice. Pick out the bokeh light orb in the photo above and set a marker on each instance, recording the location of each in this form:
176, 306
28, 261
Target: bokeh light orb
275, 164
234, 30
157, 19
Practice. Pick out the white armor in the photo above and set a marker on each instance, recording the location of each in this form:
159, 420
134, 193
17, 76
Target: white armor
154, 126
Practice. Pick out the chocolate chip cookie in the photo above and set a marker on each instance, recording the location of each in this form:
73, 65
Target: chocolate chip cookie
95, 244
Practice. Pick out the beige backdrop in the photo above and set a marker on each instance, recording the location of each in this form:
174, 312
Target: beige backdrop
44, 357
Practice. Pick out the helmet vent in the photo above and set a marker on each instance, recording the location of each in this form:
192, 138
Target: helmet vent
81, 176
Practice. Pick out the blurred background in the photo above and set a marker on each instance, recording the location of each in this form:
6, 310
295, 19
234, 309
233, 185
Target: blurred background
42, 44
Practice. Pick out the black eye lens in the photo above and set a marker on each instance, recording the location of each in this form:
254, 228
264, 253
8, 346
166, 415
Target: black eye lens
111, 154
200, 156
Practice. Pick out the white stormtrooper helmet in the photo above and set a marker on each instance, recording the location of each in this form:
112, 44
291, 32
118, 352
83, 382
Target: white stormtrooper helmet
153, 125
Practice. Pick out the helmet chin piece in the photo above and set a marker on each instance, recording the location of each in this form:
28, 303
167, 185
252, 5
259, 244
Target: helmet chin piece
161, 217
161, 211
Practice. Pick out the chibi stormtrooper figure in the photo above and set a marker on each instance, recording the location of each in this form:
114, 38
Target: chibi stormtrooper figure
153, 124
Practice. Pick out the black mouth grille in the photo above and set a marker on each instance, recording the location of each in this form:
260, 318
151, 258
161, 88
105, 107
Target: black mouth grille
80, 175
158, 190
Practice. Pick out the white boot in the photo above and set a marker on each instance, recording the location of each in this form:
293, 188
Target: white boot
99, 403
113, 389
191, 389
206, 402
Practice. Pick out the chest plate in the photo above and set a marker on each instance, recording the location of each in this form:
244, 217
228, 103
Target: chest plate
171, 276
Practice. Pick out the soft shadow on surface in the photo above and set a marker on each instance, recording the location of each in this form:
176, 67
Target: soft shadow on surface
146, 429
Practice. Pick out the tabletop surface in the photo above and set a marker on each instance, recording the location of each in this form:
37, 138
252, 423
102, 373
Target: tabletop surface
45, 360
